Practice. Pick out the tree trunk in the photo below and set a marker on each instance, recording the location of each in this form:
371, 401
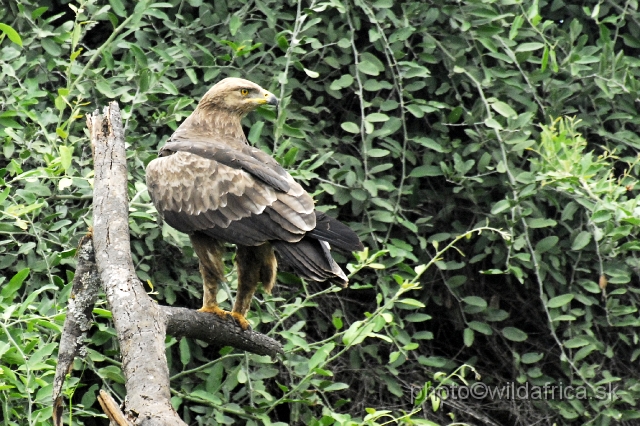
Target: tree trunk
138, 319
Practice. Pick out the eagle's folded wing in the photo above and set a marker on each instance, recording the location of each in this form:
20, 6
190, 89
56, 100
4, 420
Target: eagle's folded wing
194, 193
252, 160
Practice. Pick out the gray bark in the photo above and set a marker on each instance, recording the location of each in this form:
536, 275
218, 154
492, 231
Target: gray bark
84, 293
138, 320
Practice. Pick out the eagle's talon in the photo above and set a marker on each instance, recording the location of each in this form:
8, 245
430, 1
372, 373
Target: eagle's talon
215, 310
241, 321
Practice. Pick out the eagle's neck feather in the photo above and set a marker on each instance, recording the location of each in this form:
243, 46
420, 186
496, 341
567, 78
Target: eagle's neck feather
215, 124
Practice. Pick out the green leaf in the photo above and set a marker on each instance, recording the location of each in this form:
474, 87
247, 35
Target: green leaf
11, 33
111, 372
290, 157
503, 109
9, 290
376, 152
38, 12
370, 64
185, 352
60, 103
468, 337
559, 301
206, 396
65, 157
429, 143
514, 334
234, 24
546, 244
255, 132
89, 396
337, 323
62, 133
192, 75
576, 342
417, 317
311, 74
455, 115
242, 375
383, 4
515, 26
541, 223
377, 117
475, 301
481, 327
4, 194
368, 68
75, 54
118, 8
415, 110
411, 302
357, 332
283, 43
423, 171
321, 355
581, 240
345, 80
500, 206
75, 35
545, 59
531, 357
528, 47
492, 123
336, 387
44, 352
350, 127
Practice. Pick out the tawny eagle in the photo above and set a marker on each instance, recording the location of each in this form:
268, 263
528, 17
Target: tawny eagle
210, 183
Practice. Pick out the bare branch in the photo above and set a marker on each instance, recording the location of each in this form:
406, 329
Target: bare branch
84, 293
138, 320
111, 409
215, 330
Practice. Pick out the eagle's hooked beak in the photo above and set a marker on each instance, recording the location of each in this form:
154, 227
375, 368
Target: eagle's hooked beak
271, 99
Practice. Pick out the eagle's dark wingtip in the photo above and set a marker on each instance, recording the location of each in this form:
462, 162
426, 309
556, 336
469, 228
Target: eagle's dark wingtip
336, 233
310, 259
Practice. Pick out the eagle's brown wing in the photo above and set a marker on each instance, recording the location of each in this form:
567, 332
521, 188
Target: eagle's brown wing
252, 160
234, 204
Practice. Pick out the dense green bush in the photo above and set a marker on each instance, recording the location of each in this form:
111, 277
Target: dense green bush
502, 239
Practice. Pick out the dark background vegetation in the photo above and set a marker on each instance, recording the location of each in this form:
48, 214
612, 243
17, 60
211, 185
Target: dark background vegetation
502, 241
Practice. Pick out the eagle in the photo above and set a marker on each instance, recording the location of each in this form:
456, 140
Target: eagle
209, 183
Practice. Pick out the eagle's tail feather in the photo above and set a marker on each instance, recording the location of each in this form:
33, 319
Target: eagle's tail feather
336, 233
310, 259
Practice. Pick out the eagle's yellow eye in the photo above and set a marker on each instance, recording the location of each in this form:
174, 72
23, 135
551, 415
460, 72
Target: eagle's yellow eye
244, 92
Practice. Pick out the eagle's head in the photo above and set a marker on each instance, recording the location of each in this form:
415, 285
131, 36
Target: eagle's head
236, 96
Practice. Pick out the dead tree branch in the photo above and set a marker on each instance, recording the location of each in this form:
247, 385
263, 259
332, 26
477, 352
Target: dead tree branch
112, 410
84, 293
137, 319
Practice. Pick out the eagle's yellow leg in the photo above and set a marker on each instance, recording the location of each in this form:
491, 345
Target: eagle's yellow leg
254, 264
209, 253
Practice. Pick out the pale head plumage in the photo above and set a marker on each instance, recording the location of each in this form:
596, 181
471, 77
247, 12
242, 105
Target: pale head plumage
237, 96
221, 109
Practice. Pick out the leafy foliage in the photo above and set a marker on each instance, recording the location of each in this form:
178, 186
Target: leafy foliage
502, 240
